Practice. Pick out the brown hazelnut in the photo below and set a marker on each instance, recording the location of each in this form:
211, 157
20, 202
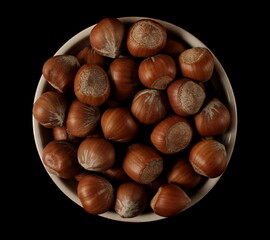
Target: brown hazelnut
60, 158
213, 119
95, 193
88, 55
96, 154
172, 135
107, 36
157, 71
149, 106
142, 163
91, 85
131, 199
50, 109
209, 158
197, 63
82, 119
124, 77
146, 37
183, 174
60, 71
186, 97
118, 124
169, 200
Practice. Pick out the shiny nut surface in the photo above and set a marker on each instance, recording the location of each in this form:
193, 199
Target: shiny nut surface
42, 137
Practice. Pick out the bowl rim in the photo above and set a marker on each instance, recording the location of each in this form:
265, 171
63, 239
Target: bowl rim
68, 188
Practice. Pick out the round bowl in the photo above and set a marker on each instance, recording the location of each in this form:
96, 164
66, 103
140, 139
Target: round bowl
221, 86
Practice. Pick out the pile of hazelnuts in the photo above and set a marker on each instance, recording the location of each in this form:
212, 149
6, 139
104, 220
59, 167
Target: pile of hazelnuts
132, 119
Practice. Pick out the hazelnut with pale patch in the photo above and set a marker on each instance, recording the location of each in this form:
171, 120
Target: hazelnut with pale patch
209, 158
131, 199
106, 38
197, 63
60, 71
214, 119
172, 135
60, 158
50, 109
186, 96
142, 163
95, 193
91, 85
146, 38
149, 106
82, 119
157, 71
96, 154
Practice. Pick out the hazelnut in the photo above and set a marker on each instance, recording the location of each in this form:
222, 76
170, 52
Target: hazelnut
186, 97
172, 135
60, 158
95, 193
91, 85
169, 200
82, 119
96, 154
131, 199
149, 106
157, 71
60, 71
183, 174
197, 63
88, 55
124, 77
142, 163
213, 119
118, 124
146, 38
50, 109
209, 158
107, 36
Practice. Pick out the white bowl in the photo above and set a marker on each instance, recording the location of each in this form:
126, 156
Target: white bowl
220, 83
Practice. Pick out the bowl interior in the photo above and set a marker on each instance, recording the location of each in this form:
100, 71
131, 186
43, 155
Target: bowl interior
221, 86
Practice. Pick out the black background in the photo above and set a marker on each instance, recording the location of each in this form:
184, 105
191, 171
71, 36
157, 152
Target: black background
33, 203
